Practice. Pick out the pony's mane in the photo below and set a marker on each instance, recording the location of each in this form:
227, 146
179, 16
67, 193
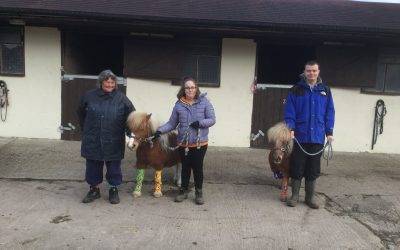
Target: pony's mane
164, 142
135, 120
280, 133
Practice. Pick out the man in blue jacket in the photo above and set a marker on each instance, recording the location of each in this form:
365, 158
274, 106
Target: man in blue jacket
310, 114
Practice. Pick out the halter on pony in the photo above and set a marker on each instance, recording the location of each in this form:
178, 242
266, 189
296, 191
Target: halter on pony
148, 139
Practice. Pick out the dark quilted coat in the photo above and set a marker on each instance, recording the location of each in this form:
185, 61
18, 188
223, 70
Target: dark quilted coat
102, 117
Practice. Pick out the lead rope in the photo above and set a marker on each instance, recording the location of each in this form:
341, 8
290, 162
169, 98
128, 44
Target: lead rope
198, 138
3, 100
380, 112
327, 151
186, 138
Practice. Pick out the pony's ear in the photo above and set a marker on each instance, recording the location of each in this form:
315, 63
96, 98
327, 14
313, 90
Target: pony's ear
148, 116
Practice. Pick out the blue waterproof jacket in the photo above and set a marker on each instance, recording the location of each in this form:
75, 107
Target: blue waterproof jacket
310, 112
102, 117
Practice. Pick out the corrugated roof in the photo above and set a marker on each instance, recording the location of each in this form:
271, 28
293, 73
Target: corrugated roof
337, 14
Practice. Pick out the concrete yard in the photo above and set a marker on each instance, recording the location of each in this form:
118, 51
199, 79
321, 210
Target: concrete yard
42, 184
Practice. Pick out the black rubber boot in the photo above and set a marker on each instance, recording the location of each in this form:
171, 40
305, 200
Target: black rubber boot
93, 194
199, 197
113, 195
292, 202
310, 195
182, 195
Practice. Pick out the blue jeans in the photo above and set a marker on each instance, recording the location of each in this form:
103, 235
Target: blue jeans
94, 172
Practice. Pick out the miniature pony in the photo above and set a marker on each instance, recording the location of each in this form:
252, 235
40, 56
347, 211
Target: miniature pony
159, 154
281, 144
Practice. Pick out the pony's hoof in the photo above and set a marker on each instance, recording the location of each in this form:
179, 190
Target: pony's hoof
178, 183
157, 194
137, 194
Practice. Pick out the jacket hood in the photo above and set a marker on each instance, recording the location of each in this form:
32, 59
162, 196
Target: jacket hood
303, 81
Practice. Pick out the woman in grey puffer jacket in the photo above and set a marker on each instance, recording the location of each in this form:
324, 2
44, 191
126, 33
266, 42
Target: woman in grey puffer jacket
193, 114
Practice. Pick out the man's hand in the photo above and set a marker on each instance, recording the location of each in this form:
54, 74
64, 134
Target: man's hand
329, 138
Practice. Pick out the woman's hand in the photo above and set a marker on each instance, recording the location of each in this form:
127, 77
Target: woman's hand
195, 124
156, 135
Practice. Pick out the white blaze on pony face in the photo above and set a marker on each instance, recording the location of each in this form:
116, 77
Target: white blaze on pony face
108, 85
190, 90
311, 72
278, 152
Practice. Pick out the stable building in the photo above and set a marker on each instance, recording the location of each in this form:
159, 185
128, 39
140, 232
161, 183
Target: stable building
52, 51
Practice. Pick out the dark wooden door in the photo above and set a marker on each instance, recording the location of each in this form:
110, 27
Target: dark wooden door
268, 108
73, 87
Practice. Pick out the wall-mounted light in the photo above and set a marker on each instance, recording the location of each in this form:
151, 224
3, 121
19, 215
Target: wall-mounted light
151, 35
331, 43
17, 22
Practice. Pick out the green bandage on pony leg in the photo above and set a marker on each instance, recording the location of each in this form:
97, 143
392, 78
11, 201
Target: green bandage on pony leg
139, 181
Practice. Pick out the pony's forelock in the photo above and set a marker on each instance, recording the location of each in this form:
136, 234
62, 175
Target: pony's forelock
280, 133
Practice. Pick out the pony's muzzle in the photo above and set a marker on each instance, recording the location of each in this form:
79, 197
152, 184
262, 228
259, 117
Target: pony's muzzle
278, 159
132, 144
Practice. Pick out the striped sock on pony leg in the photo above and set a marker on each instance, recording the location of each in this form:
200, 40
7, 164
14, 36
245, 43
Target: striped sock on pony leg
157, 184
139, 181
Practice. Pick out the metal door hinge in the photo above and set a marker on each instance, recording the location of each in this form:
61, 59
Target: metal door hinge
69, 127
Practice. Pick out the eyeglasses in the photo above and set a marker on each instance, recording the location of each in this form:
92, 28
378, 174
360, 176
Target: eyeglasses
190, 88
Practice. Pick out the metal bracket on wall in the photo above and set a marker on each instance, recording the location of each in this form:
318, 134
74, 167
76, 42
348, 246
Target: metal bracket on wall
271, 86
68, 78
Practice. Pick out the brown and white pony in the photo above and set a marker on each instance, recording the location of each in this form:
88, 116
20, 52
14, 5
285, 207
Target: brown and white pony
158, 154
280, 143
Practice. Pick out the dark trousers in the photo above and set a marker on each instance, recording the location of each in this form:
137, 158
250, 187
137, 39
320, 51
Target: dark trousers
193, 160
94, 172
303, 165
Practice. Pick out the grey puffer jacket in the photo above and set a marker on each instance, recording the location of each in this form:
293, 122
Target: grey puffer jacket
184, 114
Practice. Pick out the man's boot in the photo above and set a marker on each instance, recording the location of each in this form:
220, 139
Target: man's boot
93, 194
182, 195
310, 191
113, 195
292, 202
199, 197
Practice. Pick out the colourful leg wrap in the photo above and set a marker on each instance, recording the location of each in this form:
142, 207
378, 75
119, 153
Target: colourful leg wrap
139, 180
157, 181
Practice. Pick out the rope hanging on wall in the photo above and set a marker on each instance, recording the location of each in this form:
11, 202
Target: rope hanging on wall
3, 100
380, 112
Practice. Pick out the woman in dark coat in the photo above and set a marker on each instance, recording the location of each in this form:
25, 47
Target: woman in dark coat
102, 116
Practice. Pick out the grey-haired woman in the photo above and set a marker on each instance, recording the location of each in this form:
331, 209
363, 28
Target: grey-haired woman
102, 116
